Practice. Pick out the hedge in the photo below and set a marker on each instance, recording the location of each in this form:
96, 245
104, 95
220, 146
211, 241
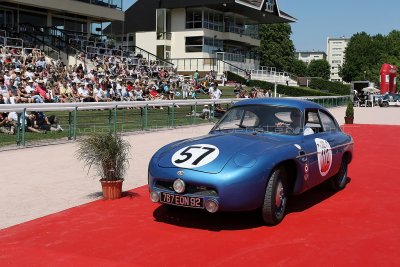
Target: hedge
230, 76
331, 87
281, 89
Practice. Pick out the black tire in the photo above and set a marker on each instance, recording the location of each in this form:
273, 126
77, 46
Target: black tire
275, 199
339, 180
385, 104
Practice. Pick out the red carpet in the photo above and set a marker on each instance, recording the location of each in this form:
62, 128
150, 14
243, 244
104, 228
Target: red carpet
359, 226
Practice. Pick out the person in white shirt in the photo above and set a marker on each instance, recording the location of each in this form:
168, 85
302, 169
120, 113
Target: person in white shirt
217, 93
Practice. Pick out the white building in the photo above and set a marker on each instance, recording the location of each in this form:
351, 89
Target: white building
336, 53
195, 34
308, 56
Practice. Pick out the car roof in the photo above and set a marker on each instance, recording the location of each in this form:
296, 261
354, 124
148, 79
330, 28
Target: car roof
289, 102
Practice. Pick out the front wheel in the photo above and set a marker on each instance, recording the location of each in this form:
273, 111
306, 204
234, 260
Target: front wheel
339, 181
275, 199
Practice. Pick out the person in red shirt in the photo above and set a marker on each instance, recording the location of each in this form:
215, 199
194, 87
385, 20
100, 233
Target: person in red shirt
42, 91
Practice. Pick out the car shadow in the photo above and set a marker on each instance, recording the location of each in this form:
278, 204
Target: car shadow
201, 219
311, 197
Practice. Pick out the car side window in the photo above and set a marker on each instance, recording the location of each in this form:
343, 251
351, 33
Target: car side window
312, 121
328, 123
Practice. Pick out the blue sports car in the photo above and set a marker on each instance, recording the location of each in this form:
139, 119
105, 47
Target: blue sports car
260, 152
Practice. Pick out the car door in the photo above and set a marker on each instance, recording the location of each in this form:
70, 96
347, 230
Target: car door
321, 146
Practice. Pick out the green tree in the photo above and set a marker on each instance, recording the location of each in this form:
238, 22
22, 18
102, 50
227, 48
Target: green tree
319, 68
298, 68
277, 49
365, 55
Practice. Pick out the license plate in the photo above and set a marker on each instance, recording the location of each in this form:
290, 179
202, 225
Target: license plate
184, 201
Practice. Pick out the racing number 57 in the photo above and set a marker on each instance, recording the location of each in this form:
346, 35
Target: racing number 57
188, 155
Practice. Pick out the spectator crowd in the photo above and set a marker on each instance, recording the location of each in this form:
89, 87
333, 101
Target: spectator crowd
31, 77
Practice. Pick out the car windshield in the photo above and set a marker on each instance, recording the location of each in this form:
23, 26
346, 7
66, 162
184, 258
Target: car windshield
262, 118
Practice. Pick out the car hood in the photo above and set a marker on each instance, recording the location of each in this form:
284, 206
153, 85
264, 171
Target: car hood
224, 146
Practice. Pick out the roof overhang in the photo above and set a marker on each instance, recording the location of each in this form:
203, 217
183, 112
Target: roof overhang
255, 10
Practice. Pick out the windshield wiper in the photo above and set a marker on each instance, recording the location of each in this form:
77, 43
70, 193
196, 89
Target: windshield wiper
241, 126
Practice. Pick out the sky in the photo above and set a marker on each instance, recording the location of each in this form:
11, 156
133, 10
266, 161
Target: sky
319, 19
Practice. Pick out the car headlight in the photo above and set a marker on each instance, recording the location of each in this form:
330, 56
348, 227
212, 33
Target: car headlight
154, 196
179, 186
212, 205
244, 160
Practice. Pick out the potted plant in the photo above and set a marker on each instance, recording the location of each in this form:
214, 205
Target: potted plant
108, 154
349, 113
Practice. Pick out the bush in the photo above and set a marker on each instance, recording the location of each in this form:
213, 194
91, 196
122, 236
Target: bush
288, 90
331, 87
281, 89
230, 76
350, 110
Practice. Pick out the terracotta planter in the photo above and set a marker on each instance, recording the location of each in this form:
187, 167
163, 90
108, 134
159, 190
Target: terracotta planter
112, 189
348, 120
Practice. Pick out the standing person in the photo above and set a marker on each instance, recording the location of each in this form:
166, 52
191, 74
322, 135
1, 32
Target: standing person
287, 80
196, 77
217, 92
185, 89
223, 79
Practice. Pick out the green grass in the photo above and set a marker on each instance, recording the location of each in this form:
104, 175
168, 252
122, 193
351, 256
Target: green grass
127, 120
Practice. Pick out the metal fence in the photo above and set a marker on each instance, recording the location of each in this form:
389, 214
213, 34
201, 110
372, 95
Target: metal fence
78, 119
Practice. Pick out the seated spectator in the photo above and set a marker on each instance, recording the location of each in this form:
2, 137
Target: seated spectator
6, 125
219, 111
205, 113
42, 91
40, 121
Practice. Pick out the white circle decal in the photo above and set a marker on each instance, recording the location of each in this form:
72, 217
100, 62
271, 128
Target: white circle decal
324, 156
195, 156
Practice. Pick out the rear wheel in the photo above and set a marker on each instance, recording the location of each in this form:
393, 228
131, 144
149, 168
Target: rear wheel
385, 104
339, 181
275, 199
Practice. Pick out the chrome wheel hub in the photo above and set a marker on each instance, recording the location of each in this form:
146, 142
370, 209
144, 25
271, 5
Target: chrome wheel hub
279, 195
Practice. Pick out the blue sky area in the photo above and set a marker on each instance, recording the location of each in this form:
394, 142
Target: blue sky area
320, 19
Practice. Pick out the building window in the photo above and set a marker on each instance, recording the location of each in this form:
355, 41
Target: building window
194, 18
336, 61
194, 44
269, 5
213, 21
212, 45
203, 44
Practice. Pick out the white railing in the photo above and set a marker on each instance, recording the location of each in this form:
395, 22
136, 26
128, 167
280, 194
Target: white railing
109, 105
128, 104
279, 77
